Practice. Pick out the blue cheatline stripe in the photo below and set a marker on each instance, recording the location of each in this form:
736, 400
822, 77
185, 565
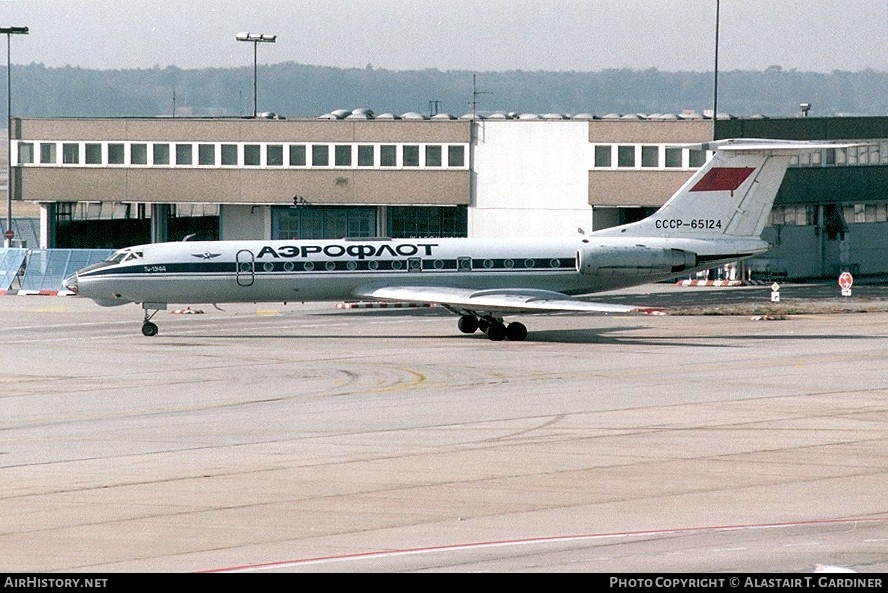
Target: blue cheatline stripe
430, 265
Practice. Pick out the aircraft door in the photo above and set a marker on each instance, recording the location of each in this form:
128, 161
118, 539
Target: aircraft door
246, 267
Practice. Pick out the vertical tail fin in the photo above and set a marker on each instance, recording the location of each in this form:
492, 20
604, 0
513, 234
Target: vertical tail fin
731, 195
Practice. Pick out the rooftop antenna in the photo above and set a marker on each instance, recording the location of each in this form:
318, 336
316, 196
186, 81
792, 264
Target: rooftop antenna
475, 93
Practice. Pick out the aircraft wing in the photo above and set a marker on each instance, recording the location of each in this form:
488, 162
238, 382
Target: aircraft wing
495, 300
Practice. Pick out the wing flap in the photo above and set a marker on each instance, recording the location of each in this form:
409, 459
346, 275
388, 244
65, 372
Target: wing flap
496, 300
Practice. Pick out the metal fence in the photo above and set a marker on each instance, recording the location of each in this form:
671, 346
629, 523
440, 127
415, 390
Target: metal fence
42, 270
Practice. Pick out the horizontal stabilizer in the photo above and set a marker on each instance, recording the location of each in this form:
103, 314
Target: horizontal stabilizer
767, 146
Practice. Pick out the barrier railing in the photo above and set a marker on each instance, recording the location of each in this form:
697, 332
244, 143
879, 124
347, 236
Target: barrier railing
42, 271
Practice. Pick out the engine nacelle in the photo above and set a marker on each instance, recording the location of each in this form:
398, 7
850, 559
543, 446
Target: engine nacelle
636, 260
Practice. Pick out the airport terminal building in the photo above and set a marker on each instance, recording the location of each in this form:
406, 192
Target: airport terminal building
109, 183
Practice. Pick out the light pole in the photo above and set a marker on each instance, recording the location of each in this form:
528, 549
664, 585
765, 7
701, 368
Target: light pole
9, 31
256, 38
715, 77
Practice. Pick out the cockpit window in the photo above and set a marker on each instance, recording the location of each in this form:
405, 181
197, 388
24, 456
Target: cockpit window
124, 255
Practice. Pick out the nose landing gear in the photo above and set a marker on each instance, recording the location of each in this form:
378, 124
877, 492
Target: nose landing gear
148, 327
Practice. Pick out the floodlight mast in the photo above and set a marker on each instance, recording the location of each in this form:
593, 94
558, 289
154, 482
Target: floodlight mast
715, 77
256, 39
9, 32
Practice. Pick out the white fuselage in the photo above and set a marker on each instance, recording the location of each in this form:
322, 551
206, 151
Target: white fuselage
327, 270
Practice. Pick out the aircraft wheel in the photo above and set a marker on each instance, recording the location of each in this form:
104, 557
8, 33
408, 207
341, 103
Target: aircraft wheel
483, 324
516, 332
496, 332
468, 324
149, 329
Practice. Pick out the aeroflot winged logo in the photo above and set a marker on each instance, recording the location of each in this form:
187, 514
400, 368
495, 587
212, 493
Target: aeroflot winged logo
206, 255
723, 179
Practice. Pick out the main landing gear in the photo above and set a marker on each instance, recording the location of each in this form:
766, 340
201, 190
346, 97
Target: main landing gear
495, 328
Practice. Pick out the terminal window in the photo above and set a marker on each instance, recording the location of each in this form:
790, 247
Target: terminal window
650, 156
297, 155
424, 221
25, 153
365, 155
138, 154
274, 155
161, 154
251, 155
93, 153
456, 156
229, 155
673, 157
388, 155
71, 153
343, 155
320, 155
411, 156
115, 154
433, 156
603, 156
48, 153
206, 154
210, 154
625, 156
183, 154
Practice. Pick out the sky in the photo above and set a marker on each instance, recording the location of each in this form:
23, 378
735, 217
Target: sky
467, 35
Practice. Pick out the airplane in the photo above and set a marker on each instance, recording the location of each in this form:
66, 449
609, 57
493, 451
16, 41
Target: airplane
714, 218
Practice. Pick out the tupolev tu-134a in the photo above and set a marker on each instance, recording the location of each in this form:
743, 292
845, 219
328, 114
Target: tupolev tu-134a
715, 218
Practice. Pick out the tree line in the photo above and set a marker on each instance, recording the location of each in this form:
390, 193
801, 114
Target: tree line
297, 90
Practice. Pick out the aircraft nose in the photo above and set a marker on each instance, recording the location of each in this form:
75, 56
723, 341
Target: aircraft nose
70, 283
